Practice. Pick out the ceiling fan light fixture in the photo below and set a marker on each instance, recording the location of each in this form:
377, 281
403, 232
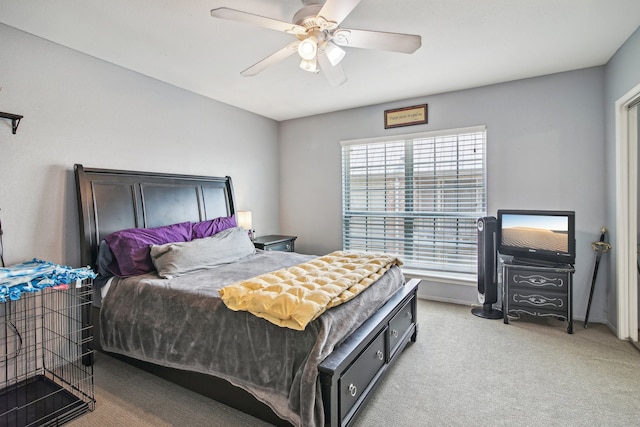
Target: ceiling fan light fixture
310, 65
319, 38
335, 54
308, 48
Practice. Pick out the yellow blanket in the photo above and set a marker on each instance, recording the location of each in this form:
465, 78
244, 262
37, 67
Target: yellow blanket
292, 297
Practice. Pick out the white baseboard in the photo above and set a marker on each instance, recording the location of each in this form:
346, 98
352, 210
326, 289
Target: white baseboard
448, 292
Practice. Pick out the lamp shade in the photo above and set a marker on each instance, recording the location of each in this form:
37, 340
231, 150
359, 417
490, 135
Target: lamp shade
308, 48
245, 220
311, 66
334, 53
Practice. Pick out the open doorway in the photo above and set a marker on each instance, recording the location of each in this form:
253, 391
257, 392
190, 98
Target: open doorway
627, 220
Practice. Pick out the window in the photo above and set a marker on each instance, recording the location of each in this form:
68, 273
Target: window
417, 196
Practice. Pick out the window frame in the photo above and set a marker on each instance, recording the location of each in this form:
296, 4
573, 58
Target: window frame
468, 260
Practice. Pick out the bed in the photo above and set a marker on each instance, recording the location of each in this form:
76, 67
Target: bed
322, 375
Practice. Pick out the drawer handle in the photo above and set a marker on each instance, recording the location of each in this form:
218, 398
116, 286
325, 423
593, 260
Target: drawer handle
395, 333
410, 315
288, 246
380, 355
353, 390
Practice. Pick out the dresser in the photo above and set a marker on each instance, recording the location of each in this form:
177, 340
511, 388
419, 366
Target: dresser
538, 291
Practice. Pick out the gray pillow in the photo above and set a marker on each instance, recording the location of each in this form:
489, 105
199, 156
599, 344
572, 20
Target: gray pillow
175, 259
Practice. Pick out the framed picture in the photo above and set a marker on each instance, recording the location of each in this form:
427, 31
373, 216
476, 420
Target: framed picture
407, 116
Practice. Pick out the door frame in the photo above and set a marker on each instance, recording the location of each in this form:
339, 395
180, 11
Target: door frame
626, 272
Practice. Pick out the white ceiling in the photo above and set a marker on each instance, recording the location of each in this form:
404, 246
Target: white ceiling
465, 43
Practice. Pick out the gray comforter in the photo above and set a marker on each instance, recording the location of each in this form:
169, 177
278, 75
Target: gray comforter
182, 323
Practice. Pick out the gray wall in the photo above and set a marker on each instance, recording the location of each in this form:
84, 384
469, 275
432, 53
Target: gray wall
78, 109
544, 151
622, 73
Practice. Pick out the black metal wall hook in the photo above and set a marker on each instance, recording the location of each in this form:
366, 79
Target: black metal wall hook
15, 120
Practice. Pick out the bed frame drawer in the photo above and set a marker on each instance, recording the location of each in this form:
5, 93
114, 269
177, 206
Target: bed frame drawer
354, 369
399, 326
356, 379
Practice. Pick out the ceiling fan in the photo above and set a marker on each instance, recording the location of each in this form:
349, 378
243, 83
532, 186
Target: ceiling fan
319, 39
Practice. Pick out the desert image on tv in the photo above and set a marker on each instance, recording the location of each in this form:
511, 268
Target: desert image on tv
551, 235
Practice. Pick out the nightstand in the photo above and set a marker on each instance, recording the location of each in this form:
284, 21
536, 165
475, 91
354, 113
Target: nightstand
275, 243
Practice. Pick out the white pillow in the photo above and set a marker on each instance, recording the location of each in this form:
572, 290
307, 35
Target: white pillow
175, 259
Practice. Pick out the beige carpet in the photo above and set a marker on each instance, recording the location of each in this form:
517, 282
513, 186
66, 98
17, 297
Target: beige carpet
462, 371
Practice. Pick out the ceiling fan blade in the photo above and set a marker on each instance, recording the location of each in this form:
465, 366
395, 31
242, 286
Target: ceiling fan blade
335, 11
394, 42
335, 74
283, 53
250, 18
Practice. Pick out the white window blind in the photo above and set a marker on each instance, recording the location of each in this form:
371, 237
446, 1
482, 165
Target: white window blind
417, 196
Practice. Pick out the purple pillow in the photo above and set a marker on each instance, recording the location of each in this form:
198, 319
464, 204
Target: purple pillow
130, 247
212, 226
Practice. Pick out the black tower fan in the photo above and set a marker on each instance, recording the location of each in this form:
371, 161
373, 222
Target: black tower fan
487, 269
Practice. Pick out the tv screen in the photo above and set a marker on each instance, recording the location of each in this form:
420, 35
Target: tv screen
537, 236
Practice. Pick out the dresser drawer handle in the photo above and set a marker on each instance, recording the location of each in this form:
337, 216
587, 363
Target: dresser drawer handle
380, 355
353, 390
410, 315
288, 246
395, 333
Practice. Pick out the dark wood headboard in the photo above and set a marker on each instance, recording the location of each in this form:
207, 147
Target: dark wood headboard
111, 200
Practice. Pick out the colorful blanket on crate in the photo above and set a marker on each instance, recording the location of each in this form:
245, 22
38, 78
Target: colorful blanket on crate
35, 275
292, 297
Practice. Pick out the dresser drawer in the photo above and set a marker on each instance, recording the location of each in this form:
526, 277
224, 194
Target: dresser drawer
552, 281
528, 298
399, 326
357, 377
275, 243
284, 247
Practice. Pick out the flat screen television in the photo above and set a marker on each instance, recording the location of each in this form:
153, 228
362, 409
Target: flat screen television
537, 236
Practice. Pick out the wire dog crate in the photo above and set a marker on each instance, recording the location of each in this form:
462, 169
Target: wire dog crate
45, 374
